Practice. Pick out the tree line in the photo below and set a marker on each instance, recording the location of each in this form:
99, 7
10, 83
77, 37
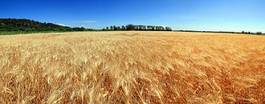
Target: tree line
131, 27
257, 33
26, 25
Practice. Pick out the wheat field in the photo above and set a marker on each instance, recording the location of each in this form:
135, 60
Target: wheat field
132, 68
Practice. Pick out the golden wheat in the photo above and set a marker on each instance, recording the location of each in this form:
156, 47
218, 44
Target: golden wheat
132, 68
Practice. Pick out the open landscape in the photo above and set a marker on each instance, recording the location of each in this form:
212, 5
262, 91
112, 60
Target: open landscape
132, 52
132, 67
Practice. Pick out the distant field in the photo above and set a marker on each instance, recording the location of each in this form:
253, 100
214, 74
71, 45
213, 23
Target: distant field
132, 67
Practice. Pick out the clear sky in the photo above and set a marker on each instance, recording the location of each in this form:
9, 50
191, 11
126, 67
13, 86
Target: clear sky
225, 15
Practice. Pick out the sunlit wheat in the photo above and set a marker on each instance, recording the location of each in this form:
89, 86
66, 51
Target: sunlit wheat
132, 68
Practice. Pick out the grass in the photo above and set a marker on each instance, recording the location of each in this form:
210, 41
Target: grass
132, 67
29, 32
22, 32
13, 32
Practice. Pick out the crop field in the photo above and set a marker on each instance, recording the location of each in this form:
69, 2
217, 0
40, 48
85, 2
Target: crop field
132, 68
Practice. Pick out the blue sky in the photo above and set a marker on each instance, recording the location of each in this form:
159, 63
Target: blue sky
225, 15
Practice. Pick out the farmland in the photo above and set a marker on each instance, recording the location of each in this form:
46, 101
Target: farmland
132, 67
